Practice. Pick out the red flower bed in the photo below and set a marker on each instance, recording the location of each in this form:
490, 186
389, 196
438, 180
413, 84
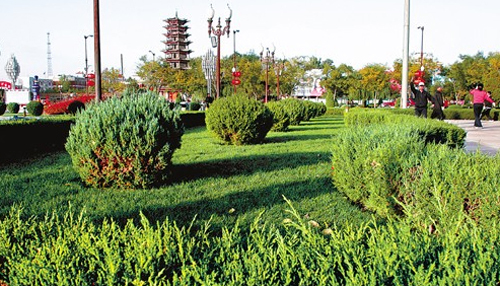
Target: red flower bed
61, 107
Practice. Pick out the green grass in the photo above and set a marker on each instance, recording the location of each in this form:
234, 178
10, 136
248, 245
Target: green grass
210, 179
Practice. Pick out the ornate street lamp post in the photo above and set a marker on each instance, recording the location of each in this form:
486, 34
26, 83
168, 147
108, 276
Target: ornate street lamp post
234, 58
208, 65
218, 31
279, 66
13, 69
153, 55
86, 64
267, 59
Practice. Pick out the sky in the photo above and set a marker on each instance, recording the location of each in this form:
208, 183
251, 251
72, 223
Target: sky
353, 32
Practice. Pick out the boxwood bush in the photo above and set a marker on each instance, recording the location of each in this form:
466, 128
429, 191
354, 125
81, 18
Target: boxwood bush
75, 106
125, 142
239, 120
296, 110
281, 119
13, 107
35, 108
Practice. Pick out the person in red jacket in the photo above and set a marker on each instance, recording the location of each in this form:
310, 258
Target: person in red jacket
479, 96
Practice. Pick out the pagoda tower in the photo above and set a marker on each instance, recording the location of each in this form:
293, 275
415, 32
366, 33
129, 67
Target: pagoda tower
177, 44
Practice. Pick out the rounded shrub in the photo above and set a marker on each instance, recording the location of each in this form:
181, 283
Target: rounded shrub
281, 120
194, 106
3, 107
75, 106
239, 120
13, 107
310, 110
125, 142
295, 109
35, 108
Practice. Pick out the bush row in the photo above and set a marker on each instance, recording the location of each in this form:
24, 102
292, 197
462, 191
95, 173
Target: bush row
429, 130
292, 111
70, 250
392, 169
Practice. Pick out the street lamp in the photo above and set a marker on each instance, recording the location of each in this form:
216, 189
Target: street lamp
153, 55
234, 56
267, 59
218, 31
422, 49
208, 66
86, 63
279, 66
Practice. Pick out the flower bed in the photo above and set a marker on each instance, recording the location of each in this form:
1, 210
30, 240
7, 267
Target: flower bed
61, 107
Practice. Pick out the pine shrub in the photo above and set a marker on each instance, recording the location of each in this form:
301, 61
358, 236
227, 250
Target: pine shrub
194, 106
281, 119
13, 107
239, 120
35, 108
310, 110
295, 109
3, 107
75, 106
125, 142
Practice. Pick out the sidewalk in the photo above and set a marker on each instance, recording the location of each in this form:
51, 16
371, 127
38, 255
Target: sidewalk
487, 139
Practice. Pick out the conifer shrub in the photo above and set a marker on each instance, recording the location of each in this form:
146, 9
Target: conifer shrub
194, 106
35, 108
320, 109
125, 142
310, 110
3, 107
239, 120
75, 106
281, 119
13, 107
295, 109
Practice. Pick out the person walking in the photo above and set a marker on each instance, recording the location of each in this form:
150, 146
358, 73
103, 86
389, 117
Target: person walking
421, 97
487, 108
437, 100
479, 96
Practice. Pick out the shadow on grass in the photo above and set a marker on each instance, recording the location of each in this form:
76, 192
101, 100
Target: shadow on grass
245, 165
289, 137
244, 203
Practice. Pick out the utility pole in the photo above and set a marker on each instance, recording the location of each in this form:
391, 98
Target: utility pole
406, 52
97, 52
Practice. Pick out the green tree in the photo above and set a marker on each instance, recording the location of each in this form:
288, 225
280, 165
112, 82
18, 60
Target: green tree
112, 80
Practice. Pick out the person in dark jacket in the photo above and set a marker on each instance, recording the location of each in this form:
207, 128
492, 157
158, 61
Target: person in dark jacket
421, 97
437, 100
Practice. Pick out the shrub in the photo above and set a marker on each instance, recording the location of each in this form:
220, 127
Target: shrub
35, 108
13, 107
310, 110
127, 142
3, 107
75, 106
194, 106
281, 120
239, 120
295, 109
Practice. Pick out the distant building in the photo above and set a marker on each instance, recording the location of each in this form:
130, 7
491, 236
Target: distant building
177, 44
310, 86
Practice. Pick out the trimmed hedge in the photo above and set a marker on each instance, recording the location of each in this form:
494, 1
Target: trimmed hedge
296, 110
13, 107
395, 170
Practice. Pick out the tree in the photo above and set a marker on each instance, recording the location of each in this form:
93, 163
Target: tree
112, 80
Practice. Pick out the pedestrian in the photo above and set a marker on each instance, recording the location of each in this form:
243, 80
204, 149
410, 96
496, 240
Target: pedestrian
421, 97
438, 107
479, 96
487, 108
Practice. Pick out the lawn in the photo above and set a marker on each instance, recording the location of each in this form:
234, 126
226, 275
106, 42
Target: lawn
221, 183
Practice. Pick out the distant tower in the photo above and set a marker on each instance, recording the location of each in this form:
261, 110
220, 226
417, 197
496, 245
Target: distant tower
177, 44
49, 57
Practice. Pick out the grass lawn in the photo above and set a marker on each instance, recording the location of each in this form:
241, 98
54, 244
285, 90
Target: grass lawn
221, 183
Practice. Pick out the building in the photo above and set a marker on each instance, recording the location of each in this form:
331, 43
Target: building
177, 44
310, 86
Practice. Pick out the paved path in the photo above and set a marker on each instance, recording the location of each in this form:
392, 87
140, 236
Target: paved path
487, 139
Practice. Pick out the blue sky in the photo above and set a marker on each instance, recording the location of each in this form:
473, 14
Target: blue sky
355, 32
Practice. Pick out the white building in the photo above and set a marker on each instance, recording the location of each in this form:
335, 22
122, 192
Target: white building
310, 86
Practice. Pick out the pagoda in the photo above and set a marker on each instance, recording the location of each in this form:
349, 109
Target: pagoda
177, 44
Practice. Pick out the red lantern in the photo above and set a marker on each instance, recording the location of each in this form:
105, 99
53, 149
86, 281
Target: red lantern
236, 81
91, 76
90, 83
237, 74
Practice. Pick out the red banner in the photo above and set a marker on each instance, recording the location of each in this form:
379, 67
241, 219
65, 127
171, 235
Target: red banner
5, 85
